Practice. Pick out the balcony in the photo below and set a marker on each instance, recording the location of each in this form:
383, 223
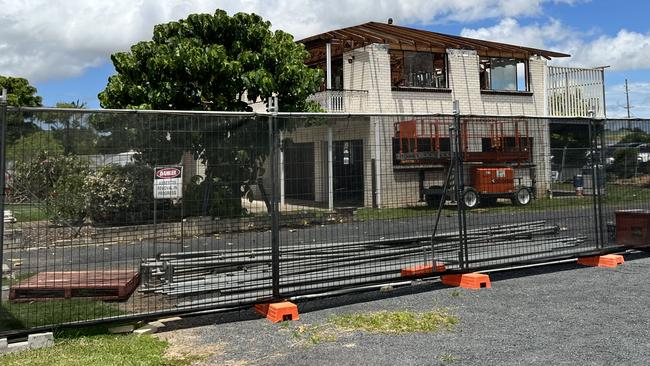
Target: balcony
342, 101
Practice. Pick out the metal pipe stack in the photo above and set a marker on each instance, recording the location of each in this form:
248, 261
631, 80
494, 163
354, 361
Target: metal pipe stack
221, 277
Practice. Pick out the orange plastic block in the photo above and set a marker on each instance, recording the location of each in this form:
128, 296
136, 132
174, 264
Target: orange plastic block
609, 260
467, 280
278, 311
422, 270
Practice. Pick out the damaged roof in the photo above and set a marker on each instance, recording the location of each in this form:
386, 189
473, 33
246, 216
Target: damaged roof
410, 39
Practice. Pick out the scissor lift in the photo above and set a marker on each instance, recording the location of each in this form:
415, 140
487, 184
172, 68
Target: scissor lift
492, 148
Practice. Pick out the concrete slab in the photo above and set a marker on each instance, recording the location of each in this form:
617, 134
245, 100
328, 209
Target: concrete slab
40, 340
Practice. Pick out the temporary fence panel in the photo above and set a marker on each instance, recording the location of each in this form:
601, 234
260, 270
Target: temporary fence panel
87, 239
118, 214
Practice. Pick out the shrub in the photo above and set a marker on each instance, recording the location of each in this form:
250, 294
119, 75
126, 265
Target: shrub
211, 197
55, 180
120, 194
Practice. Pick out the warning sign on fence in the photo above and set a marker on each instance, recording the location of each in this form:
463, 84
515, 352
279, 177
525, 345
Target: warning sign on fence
168, 182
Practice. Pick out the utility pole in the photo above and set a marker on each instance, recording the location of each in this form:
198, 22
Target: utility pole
627, 97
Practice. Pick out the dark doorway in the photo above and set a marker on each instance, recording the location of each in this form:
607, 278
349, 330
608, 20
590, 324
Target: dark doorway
299, 171
348, 173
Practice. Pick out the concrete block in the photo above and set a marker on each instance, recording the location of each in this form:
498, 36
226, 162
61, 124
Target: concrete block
169, 320
121, 329
17, 347
3, 345
147, 329
157, 324
40, 340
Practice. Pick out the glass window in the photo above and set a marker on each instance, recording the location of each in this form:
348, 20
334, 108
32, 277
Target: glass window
418, 69
507, 74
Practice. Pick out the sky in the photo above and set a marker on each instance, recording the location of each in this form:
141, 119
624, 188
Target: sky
63, 47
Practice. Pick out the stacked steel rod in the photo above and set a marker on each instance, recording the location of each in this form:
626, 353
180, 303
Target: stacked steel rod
231, 276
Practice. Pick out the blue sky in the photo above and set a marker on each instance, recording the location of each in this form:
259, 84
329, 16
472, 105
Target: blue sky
70, 60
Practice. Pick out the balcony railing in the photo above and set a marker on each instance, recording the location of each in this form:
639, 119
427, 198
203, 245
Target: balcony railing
573, 92
346, 101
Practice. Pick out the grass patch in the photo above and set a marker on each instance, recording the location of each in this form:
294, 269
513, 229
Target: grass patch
27, 212
397, 321
314, 334
616, 195
40, 313
99, 350
448, 358
17, 277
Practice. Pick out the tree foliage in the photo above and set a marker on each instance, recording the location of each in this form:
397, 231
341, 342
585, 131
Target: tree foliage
212, 62
20, 94
206, 62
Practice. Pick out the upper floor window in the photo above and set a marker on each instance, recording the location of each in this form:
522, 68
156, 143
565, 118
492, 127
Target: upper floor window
507, 74
418, 69
337, 74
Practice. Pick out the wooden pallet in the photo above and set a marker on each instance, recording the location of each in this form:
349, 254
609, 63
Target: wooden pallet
96, 285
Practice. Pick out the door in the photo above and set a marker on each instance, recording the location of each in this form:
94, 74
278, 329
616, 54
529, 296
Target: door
299, 171
348, 172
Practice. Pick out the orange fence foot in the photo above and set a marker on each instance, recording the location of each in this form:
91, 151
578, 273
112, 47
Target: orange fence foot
278, 311
609, 260
467, 280
422, 270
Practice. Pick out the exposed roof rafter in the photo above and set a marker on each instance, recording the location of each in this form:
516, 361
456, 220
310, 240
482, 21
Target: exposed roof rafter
398, 37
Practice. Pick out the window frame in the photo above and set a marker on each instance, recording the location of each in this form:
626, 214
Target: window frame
399, 56
490, 90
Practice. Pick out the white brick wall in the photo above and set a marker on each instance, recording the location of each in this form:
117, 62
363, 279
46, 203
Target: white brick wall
370, 70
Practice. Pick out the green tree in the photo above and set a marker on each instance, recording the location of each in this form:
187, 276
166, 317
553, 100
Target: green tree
71, 128
20, 94
30, 147
212, 62
206, 62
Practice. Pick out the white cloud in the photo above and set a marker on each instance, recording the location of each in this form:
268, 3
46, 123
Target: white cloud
624, 51
43, 40
508, 30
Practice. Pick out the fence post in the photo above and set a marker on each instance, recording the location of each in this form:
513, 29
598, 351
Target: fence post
596, 133
3, 132
595, 182
275, 211
459, 180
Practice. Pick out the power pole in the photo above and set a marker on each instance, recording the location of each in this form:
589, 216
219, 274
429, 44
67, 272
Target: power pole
627, 97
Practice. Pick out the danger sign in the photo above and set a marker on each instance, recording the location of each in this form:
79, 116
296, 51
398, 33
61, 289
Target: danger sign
168, 182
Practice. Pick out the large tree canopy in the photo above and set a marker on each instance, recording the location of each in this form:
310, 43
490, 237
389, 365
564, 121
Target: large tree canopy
212, 62
206, 62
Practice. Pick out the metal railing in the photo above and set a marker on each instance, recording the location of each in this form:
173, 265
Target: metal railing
574, 92
348, 101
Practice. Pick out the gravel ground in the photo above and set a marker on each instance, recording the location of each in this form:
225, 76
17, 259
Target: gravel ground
552, 315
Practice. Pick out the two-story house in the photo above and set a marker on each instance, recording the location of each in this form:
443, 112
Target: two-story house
388, 72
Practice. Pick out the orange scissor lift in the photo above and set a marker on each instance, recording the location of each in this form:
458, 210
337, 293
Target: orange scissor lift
424, 144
